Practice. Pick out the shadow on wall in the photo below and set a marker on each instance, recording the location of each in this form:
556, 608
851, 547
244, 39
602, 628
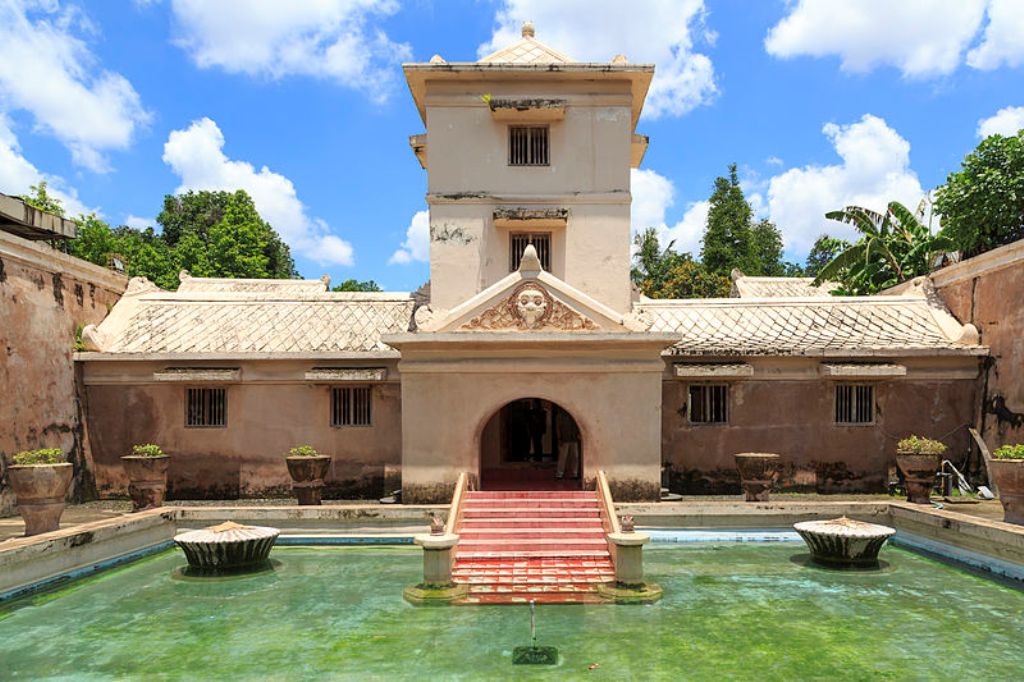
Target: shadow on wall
818, 477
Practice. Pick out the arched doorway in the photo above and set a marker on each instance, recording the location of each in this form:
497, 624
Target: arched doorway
531, 444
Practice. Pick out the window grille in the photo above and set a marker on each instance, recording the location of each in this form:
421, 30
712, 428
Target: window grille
351, 406
528, 145
709, 403
206, 407
855, 404
518, 242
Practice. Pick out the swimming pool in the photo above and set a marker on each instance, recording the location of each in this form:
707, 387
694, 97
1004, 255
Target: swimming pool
745, 610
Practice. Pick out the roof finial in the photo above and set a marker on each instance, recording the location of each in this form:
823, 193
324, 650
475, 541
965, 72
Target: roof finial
528, 31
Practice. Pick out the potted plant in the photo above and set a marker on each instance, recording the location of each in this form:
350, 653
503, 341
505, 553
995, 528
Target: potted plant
40, 479
147, 476
307, 468
758, 471
919, 459
1007, 469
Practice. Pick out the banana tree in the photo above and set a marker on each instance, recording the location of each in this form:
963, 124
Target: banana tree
895, 246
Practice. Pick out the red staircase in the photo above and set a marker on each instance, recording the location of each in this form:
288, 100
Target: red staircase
517, 546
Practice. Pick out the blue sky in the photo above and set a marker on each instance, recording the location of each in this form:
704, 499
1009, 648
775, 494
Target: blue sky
304, 104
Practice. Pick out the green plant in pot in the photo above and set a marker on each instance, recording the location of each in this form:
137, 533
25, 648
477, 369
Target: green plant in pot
40, 479
919, 459
308, 468
146, 469
1007, 469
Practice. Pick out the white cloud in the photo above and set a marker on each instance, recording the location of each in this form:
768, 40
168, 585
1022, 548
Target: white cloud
49, 71
138, 222
416, 246
875, 170
919, 37
1007, 121
653, 31
196, 155
1003, 40
17, 174
333, 39
653, 194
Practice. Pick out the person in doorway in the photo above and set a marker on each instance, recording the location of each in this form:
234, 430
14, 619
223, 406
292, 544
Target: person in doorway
538, 425
568, 446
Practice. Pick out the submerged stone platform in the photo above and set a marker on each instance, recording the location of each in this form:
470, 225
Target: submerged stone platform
227, 545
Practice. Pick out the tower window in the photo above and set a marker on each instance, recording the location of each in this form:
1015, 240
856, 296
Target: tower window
518, 242
528, 145
709, 404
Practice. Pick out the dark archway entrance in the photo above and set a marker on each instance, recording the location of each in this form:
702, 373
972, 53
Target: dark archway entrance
531, 444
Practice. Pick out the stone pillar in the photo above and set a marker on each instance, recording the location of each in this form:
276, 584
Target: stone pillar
437, 586
629, 586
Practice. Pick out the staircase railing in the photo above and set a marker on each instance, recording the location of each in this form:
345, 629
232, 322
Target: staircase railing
609, 519
455, 511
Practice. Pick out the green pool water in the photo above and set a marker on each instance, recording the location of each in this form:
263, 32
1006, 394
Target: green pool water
731, 611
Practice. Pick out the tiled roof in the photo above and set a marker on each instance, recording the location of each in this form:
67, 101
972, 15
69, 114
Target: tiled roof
224, 320
735, 327
267, 286
775, 287
529, 50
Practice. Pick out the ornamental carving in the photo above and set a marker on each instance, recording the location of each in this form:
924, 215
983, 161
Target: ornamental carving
530, 308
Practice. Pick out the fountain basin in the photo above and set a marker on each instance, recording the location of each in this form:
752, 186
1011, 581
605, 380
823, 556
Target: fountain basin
228, 545
844, 541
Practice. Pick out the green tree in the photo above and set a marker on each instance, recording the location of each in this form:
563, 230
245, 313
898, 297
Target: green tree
982, 204
824, 250
662, 273
356, 285
220, 234
765, 257
894, 247
43, 200
727, 236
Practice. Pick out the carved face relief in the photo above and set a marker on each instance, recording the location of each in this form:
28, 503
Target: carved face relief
531, 304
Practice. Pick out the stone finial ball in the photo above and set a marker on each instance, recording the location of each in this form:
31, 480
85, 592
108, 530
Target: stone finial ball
528, 29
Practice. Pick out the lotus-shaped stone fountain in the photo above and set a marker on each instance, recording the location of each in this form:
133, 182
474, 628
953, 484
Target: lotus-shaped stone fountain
843, 541
227, 546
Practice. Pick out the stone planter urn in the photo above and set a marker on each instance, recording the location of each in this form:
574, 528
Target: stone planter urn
40, 489
1008, 475
308, 473
147, 478
843, 541
757, 473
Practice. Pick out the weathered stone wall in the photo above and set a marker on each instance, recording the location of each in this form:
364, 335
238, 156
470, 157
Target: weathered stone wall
44, 294
794, 418
988, 292
269, 412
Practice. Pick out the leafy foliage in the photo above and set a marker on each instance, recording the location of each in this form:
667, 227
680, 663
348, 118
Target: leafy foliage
43, 456
147, 450
765, 256
1009, 452
824, 250
355, 285
917, 445
210, 234
982, 204
42, 200
663, 273
727, 236
895, 246
303, 451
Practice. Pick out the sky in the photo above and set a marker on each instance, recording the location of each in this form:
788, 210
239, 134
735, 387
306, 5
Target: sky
820, 103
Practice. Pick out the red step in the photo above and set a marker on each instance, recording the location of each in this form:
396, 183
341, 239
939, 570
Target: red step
546, 546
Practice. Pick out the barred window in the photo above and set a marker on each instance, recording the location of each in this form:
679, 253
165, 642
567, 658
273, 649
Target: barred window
528, 145
709, 403
206, 407
855, 404
351, 406
518, 242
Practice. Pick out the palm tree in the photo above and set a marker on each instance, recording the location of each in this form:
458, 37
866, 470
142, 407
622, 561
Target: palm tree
894, 247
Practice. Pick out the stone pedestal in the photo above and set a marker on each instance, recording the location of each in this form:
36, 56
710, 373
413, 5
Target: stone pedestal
919, 470
227, 546
437, 586
147, 478
1008, 475
308, 475
843, 541
757, 473
629, 586
40, 490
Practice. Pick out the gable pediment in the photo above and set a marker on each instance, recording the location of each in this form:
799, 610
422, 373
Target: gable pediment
528, 300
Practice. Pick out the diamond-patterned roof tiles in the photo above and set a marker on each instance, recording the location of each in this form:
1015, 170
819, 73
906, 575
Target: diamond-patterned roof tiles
776, 287
796, 327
